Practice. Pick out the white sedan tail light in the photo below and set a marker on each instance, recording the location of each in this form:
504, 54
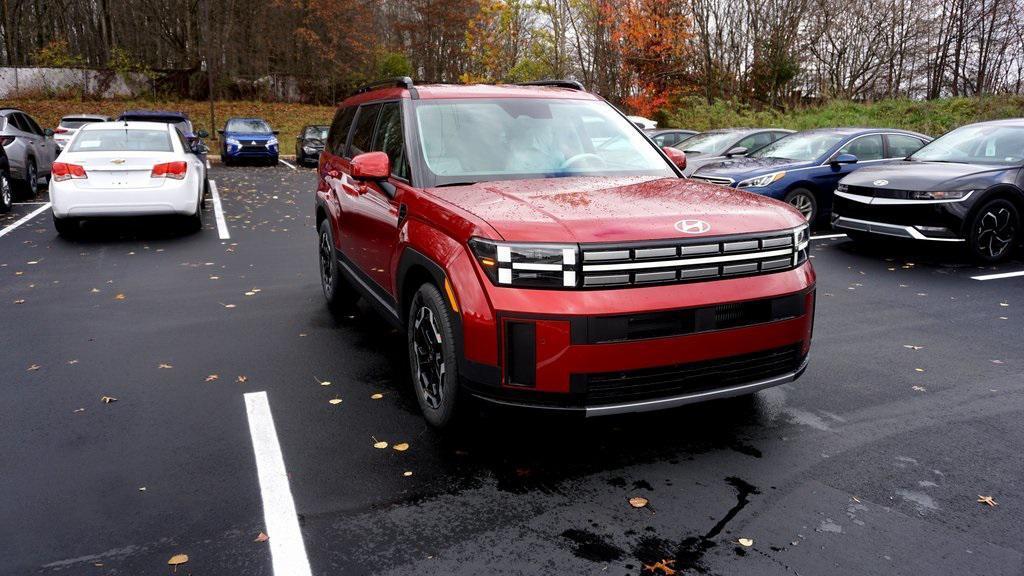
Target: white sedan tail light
175, 170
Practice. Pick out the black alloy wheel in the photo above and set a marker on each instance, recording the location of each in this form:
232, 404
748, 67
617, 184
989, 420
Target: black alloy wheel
340, 296
432, 359
6, 194
995, 230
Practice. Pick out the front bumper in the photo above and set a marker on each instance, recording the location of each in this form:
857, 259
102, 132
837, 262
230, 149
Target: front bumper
249, 151
939, 221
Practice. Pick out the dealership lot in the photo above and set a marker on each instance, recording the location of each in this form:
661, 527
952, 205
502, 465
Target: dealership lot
871, 463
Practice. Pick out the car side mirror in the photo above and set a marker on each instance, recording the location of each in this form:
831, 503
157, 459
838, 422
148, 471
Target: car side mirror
203, 134
48, 132
844, 159
276, 132
677, 156
373, 166
221, 132
737, 151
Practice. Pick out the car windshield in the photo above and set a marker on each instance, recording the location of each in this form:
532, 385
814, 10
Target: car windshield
249, 126
976, 145
77, 122
318, 132
473, 140
122, 140
802, 147
711, 143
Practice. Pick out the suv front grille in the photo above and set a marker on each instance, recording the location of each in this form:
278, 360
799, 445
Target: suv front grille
879, 192
609, 266
721, 181
667, 381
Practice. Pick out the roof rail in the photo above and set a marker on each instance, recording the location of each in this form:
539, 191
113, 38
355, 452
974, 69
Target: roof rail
570, 84
396, 82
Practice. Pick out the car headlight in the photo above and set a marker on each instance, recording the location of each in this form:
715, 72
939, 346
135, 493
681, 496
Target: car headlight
761, 181
271, 142
842, 187
940, 195
309, 150
527, 265
801, 243
233, 142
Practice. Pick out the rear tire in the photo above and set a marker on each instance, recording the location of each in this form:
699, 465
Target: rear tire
340, 296
430, 331
6, 193
66, 227
30, 187
994, 231
195, 221
803, 200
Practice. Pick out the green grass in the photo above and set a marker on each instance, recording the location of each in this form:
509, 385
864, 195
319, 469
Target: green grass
929, 117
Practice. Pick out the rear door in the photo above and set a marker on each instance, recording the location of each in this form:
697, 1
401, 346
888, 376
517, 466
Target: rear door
44, 147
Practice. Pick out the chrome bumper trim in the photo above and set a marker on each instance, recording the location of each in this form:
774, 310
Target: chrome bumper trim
896, 201
897, 230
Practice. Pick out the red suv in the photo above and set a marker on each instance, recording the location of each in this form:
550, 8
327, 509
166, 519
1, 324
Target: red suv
539, 250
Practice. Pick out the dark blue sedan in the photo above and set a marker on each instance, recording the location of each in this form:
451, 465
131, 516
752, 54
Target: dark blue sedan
804, 168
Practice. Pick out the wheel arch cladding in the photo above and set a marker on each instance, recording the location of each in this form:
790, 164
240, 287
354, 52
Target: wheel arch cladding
414, 270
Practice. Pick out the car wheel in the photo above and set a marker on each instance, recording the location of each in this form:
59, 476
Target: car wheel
803, 200
224, 159
66, 227
31, 179
339, 295
995, 231
205, 192
299, 158
432, 359
195, 221
6, 194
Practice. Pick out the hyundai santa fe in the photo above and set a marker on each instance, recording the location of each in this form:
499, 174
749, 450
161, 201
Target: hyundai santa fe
537, 250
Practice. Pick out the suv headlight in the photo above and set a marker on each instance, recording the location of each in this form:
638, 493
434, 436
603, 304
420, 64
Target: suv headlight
527, 265
940, 195
233, 142
801, 244
761, 181
271, 142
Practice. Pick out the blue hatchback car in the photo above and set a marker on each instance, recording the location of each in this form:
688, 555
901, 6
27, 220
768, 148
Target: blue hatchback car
804, 168
248, 139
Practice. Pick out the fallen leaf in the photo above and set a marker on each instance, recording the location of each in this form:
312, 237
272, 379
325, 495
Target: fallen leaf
912, 347
401, 447
250, 293
142, 488
335, 401
407, 473
212, 377
242, 379
94, 290
165, 366
73, 361
918, 369
119, 297
1004, 304
107, 399
746, 542
178, 559
19, 301
376, 396
987, 500
662, 565
918, 388
638, 501
33, 368
380, 445
262, 537
322, 382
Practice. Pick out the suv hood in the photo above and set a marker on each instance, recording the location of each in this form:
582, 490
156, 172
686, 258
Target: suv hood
927, 176
614, 209
743, 168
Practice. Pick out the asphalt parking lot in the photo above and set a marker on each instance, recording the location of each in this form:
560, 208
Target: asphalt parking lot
872, 463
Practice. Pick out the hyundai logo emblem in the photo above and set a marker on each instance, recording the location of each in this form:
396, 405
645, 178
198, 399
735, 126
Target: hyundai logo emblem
880, 182
693, 226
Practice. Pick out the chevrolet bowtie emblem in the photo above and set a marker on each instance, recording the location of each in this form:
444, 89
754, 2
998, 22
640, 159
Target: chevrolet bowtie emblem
117, 161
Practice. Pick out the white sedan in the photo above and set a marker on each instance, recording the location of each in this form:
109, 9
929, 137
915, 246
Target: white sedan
127, 169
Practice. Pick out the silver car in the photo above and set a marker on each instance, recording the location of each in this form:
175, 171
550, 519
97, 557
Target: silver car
69, 125
723, 144
30, 149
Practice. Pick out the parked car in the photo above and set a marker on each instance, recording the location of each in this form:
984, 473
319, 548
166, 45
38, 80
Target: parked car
248, 139
68, 125
717, 145
669, 136
30, 149
127, 169
310, 143
179, 120
804, 168
965, 186
6, 187
643, 123
530, 265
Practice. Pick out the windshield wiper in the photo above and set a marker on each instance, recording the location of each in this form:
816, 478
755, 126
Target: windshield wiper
455, 184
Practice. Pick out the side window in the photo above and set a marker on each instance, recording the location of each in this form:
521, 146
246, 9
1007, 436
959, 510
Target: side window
362, 134
865, 147
181, 139
755, 141
662, 139
30, 125
901, 146
15, 119
338, 136
391, 140
777, 135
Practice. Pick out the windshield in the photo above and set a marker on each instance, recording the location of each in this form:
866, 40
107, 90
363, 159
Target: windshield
248, 125
121, 140
472, 140
77, 122
317, 132
976, 145
803, 146
711, 143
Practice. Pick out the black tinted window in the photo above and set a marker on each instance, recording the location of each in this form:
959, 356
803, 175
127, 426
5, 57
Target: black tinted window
390, 139
32, 126
865, 147
18, 123
339, 130
755, 141
362, 134
901, 146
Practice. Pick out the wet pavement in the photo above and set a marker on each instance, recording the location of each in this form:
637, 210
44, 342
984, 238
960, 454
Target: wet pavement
871, 463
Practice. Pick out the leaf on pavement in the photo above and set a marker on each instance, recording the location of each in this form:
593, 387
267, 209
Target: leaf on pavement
212, 377
262, 537
663, 566
746, 542
376, 396
407, 473
119, 297
912, 347
638, 501
401, 446
19, 301
335, 401
165, 366
918, 388
107, 399
987, 500
379, 444
178, 559
242, 379
322, 382
32, 368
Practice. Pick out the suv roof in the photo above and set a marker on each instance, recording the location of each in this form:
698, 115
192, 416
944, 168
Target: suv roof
439, 91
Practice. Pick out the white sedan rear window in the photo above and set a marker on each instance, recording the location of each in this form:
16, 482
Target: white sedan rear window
122, 140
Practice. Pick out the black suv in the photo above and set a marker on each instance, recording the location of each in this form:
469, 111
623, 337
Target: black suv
966, 186
310, 143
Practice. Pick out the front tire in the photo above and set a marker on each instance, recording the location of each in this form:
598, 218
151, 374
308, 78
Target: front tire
803, 200
995, 231
31, 183
6, 193
339, 295
430, 330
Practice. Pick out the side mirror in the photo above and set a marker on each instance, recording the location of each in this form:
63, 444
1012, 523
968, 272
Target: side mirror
677, 156
737, 151
276, 132
47, 132
203, 134
221, 132
844, 159
371, 166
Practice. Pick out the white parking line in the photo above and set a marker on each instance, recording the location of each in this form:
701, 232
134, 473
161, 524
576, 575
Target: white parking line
26, 218
207, 163
825, 236
998, 276
286, 163
218, 212
287, 549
